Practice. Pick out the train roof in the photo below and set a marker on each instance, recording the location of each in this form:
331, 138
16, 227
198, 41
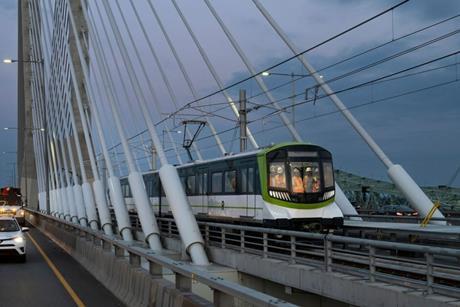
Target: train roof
238, 155
227, 157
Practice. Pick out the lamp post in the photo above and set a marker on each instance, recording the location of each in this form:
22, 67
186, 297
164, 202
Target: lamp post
45, 128
293, 95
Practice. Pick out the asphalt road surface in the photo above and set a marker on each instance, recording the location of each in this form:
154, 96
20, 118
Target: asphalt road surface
50, 277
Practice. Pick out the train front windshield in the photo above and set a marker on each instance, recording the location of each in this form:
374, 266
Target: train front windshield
301, 174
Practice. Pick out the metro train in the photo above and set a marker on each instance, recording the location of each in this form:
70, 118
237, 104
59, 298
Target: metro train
288, 185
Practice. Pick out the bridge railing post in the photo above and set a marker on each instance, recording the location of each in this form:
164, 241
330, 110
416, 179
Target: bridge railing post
242, 241
119, 252
134, 260
183, 283
170, 228
265, 245
429, 273
293, 250
371, 263
222, 237
155, 270
106, 246
206, 234
222, 299
327, 255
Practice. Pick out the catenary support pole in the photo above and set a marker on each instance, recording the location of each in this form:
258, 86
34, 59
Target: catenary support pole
243, 121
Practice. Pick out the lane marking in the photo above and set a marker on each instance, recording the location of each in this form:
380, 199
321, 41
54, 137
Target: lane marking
58, 274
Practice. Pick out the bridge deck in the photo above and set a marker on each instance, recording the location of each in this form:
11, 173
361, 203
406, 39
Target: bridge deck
34, 284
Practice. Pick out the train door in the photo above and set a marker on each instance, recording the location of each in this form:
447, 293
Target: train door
247, 176
215, 200
202, 190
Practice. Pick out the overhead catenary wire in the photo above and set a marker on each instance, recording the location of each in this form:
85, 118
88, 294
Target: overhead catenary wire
359, 69
326, 67
295, 56
368, 82
385, 78
330, 113
371, 82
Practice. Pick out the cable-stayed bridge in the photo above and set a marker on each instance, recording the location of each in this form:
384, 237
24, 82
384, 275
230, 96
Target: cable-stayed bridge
174, 178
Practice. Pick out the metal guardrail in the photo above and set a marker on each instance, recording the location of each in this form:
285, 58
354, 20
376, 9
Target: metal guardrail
453, 220
183, 271
431, 269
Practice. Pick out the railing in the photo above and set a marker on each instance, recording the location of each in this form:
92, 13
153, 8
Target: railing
184, 272
431, 269
453, 220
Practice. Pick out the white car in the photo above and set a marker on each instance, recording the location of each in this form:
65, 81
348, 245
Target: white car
12, 240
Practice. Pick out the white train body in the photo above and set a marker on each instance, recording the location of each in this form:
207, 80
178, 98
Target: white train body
259, 186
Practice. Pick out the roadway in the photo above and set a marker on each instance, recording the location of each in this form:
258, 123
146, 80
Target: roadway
50, 277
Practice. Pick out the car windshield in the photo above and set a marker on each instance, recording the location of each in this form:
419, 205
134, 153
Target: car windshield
8, 226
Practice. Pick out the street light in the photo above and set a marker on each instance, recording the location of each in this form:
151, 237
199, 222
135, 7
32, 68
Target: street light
45, 127
15, 128
10, 61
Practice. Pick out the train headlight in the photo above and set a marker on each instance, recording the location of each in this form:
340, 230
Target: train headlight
20, 212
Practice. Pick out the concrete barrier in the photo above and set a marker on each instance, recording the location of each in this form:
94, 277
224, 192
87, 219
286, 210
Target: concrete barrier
131, 284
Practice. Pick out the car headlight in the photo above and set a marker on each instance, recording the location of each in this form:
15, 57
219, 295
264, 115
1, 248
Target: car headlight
20, 212
19, 239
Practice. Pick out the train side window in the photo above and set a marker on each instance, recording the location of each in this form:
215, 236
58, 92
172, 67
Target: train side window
182, 181
205, 184
230, 182
217, 183
153, 187
247, 180
148, 187
202, 183
257, 181
126, 191
190, 185
244, 180
199, 184
328, 174
250, 180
